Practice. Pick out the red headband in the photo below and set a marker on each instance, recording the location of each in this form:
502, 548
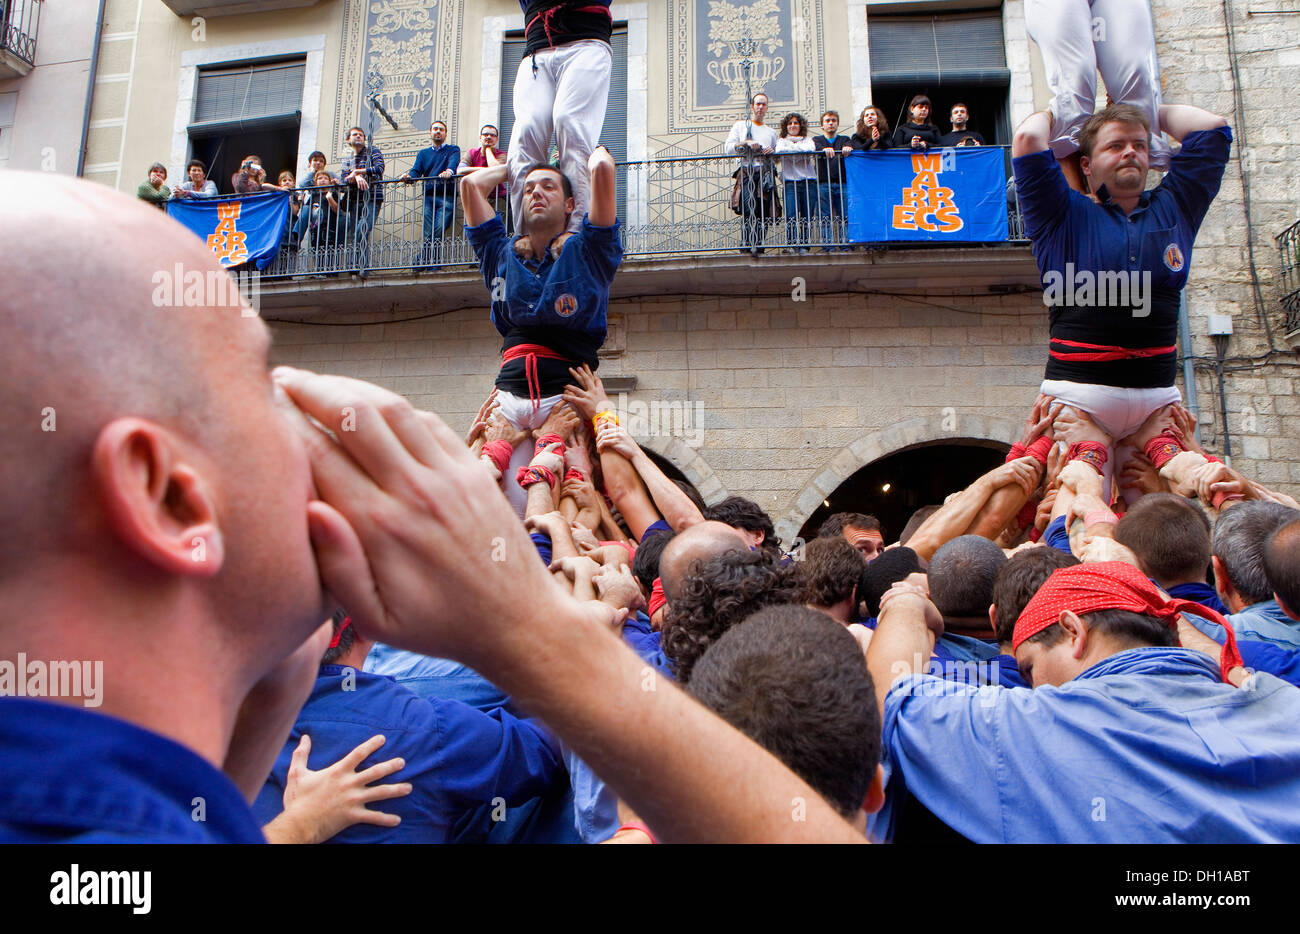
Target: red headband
1112, 585
338, 636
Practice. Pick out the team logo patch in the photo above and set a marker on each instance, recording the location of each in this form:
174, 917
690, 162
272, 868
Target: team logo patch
566, 305
1173, 258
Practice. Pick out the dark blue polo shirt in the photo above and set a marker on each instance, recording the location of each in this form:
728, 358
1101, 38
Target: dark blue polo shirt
457, 758
1075, 238
71, 775
560, 303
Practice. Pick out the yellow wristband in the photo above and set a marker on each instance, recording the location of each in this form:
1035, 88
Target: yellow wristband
600, 418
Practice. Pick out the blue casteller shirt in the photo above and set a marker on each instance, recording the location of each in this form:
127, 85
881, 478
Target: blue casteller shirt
1067, 227
562, 304
431, 161
1200, 593
1147, 746
71, 775
458, 759
1261, 622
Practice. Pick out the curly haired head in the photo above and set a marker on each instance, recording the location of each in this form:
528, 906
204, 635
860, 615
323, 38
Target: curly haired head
719, 593
746, 514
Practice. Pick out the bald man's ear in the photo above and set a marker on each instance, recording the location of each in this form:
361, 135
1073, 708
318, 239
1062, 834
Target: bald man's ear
156, 504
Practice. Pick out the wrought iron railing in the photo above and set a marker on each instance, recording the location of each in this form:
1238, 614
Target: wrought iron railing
673, 207
1289, 241
19, 20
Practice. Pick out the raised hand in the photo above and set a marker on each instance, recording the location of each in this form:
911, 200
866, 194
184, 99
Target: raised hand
588, 395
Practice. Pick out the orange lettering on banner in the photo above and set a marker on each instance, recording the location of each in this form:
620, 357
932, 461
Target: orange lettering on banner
228, 241
925, 205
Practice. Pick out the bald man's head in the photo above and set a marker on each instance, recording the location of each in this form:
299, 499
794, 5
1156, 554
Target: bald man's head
698, 543
124, 420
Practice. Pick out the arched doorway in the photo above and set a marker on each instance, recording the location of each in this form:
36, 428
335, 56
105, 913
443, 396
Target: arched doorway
892, 487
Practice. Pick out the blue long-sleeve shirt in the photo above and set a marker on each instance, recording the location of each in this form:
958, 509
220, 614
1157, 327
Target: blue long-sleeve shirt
1075, 238
433, 160
1145, 746
69, 775
460, 761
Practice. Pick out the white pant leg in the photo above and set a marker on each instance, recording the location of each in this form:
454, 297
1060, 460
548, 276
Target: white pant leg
1127, 61
581, 96
1062, 30
534, 102
518, 411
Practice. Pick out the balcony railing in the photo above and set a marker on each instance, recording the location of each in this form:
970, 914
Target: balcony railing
1289, 241
668, 207
19, 20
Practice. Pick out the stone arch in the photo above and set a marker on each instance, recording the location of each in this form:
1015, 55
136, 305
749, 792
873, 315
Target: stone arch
948, 427
688, 460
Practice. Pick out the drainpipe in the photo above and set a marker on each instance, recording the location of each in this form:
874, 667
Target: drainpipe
90, 89
1189, 366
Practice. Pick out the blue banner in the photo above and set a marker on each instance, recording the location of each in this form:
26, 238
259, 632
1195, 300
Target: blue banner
957, 195
239, 230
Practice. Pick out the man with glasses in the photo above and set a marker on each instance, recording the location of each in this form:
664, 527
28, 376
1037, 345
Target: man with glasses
485, 156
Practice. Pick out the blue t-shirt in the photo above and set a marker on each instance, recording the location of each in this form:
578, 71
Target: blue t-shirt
1075, 238
71, 775
1200, 593
460, 761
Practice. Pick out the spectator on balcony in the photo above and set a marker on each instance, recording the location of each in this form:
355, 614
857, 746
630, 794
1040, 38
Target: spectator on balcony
363, 174
918, 134
485, 156
872, 131
830, 178
251, 177
960, 136
153, 190
438, 164
754, 195
198, 185
800, 176
315, 166
319, 220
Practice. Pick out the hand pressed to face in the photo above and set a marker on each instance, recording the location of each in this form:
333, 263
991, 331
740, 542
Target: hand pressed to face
409, 523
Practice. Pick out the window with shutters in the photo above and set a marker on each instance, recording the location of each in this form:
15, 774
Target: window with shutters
247, 109
957, 57
614, 132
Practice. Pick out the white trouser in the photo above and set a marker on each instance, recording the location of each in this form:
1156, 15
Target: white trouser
566, 94
518, 411
1117, 411
1079, 37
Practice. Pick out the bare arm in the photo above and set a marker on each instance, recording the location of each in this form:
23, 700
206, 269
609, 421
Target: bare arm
955, 517
474, 191
1180, 119
417, 500
673, 504
1033, 135
904, 638
603, 209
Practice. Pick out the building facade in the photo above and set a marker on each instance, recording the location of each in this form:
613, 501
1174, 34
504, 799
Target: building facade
810, 382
